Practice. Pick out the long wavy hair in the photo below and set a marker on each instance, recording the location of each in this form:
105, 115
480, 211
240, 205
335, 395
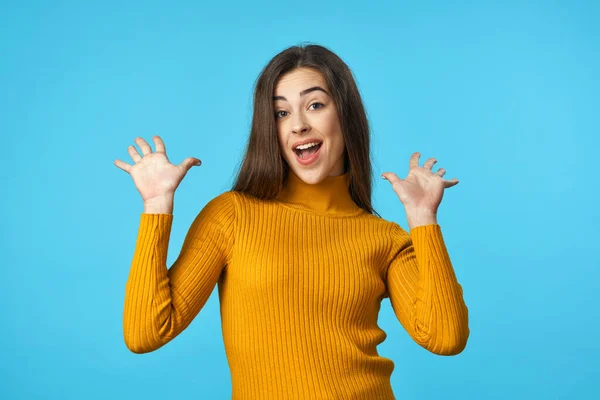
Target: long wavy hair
263, 170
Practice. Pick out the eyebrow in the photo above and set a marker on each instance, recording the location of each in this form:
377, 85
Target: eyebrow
304, 92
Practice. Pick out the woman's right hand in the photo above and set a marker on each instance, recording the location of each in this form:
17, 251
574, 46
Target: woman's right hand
153, 175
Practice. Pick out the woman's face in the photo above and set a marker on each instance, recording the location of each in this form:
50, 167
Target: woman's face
304, 113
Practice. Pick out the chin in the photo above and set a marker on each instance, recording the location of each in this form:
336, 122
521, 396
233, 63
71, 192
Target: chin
312, 176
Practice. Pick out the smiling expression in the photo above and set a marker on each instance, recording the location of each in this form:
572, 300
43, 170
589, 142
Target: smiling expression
305, 110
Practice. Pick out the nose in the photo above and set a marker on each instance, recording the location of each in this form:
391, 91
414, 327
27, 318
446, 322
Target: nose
299, 124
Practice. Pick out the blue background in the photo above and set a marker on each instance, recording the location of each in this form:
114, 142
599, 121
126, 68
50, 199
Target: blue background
505, 95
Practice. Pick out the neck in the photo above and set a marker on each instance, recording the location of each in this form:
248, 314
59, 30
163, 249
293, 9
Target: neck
331, 195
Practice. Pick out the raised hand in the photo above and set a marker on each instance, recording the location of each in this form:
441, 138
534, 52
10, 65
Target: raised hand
422, 189
154, 176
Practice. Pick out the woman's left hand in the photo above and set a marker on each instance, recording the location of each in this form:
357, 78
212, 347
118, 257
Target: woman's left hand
422, 189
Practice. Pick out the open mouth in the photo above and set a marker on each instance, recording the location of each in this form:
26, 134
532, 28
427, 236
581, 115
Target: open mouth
308, 153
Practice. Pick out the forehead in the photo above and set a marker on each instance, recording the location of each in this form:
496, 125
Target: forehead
297, 80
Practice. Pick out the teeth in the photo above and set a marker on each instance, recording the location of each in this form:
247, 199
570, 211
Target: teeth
307, 145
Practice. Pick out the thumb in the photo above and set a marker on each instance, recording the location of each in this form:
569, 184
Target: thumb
391, 177
190, 162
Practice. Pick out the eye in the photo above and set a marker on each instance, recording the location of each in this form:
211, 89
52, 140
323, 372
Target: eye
277, 115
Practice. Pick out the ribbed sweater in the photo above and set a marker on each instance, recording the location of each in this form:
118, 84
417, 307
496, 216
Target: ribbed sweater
300, 283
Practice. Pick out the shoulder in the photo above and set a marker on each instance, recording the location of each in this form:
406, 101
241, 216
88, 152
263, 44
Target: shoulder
389, 228
225, 198
223, 206
233, 202
396, 237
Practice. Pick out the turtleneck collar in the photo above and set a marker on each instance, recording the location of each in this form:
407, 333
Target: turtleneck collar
331, 195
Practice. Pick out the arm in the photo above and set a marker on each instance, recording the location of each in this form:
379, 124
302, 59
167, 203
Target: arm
159, 302
424, 292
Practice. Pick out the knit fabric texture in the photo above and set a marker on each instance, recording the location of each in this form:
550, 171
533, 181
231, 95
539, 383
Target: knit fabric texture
300, 283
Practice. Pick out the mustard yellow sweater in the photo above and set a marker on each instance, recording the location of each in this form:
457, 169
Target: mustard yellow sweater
300, 282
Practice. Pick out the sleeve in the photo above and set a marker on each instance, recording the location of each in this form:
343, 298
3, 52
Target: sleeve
424, 292
159, 302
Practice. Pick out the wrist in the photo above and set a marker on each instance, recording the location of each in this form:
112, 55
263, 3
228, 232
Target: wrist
420, 217
159, 205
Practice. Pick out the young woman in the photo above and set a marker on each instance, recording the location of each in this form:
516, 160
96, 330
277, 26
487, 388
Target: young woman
301, 259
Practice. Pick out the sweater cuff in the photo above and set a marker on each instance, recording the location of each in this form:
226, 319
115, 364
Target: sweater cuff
428, 238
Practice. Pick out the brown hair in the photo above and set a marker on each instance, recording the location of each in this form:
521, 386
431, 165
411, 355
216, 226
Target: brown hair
263, 170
